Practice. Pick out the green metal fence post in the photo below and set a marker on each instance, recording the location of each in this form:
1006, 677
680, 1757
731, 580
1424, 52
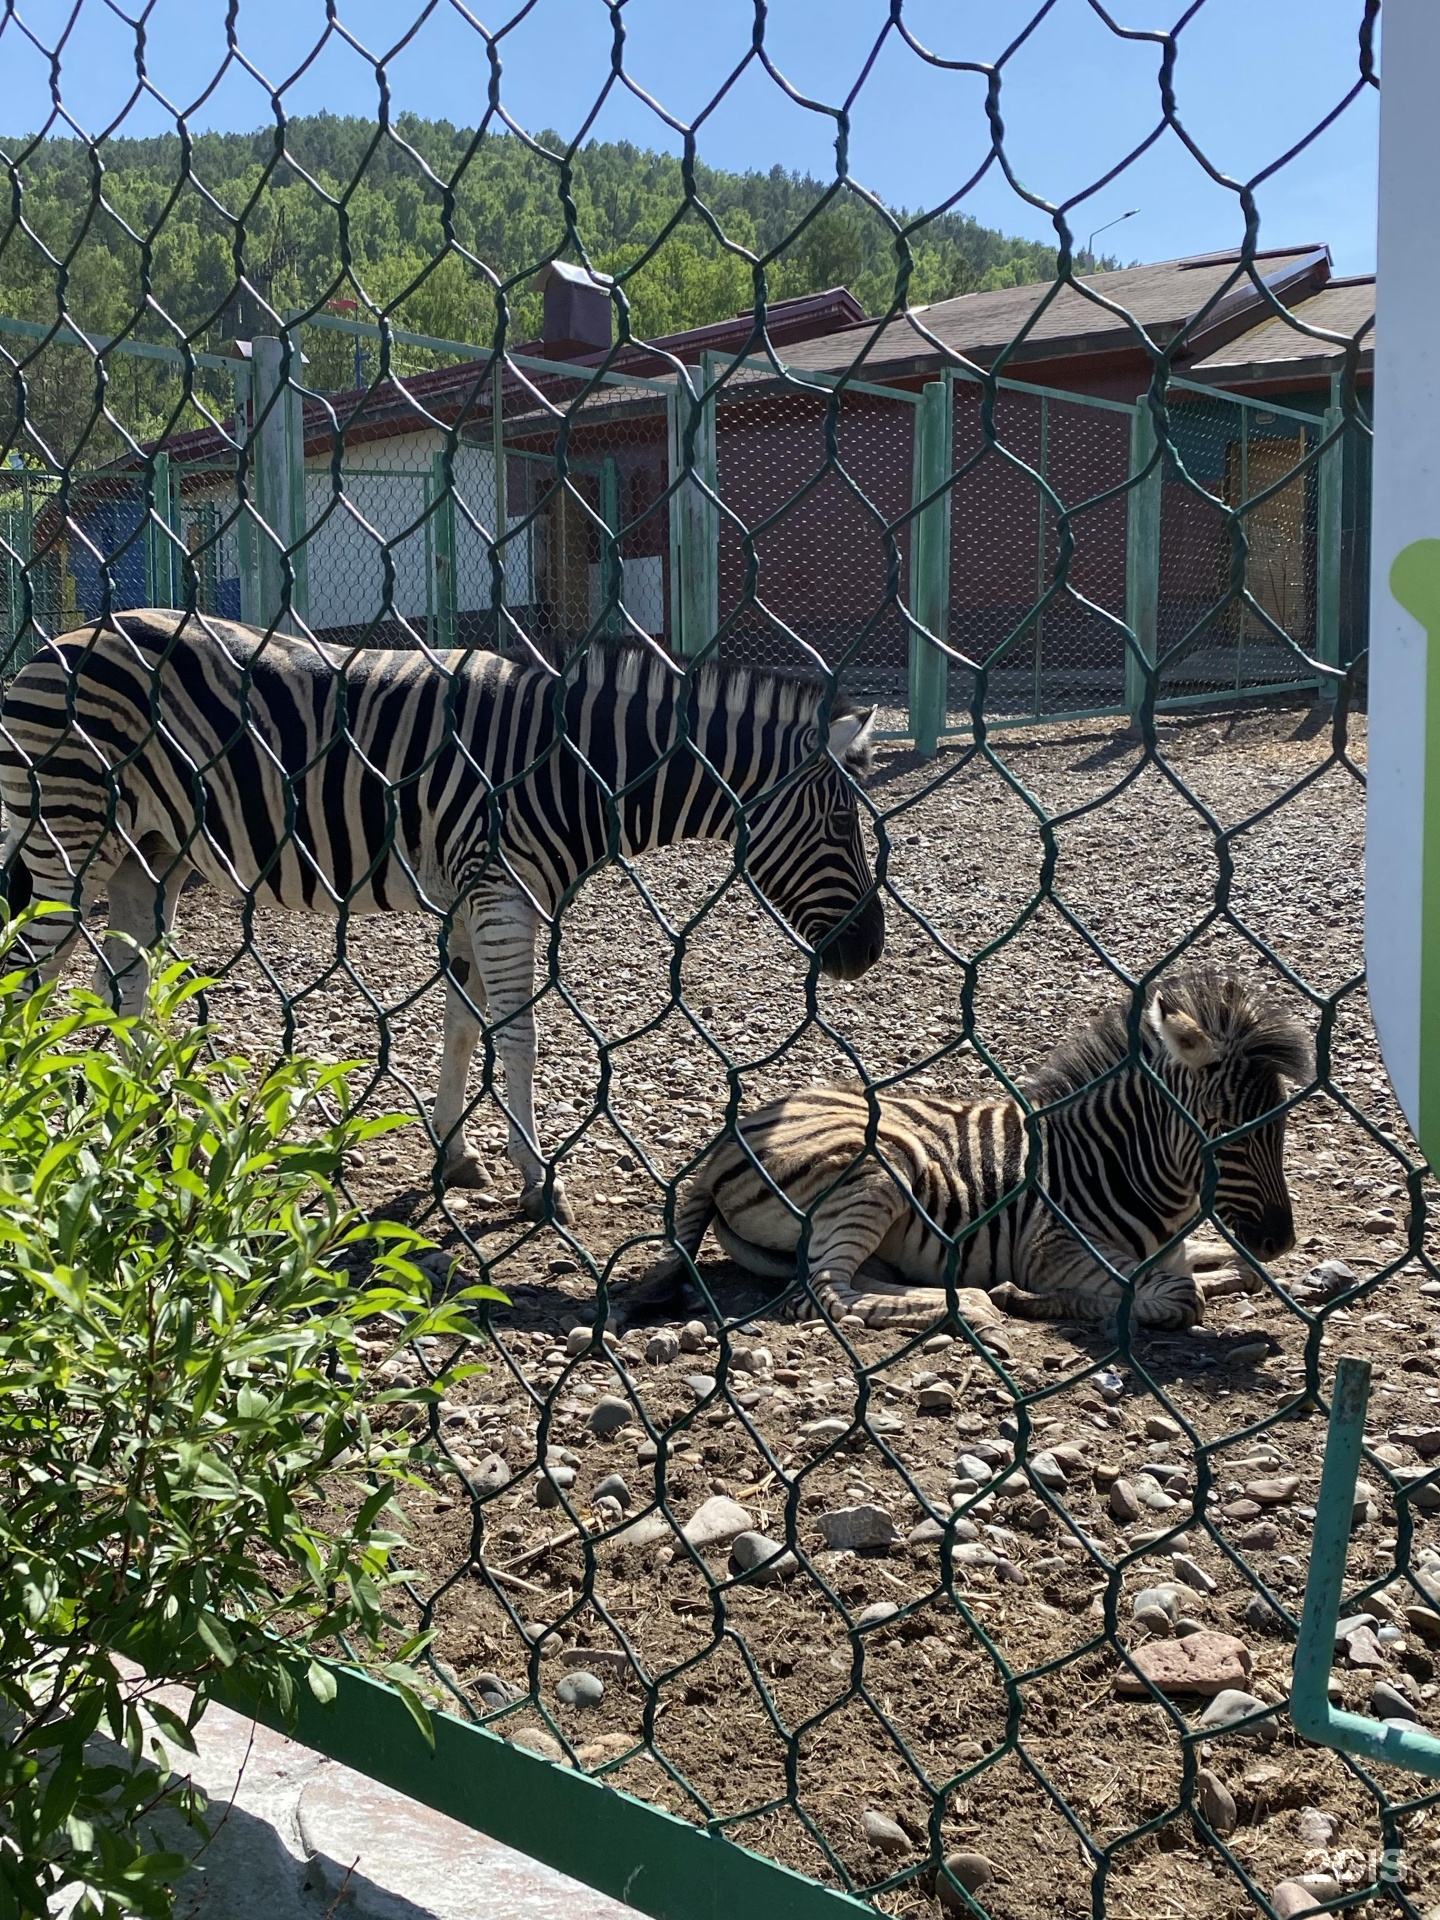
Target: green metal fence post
694, 519
930, 565
502, 505
1311, 1713
1142, 557
1329, 520
442, 547
245, 544
279, 481
160, 526
610, 558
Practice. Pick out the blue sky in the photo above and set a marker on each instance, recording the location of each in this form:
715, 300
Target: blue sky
1253, 77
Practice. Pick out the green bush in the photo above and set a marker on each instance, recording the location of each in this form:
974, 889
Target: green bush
194, 1472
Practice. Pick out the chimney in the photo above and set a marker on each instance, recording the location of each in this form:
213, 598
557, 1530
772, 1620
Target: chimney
578, 314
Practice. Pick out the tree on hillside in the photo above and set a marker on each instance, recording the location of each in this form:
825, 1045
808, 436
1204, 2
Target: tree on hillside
334, 212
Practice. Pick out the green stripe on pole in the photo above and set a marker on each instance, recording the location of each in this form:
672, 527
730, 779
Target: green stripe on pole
1415, 583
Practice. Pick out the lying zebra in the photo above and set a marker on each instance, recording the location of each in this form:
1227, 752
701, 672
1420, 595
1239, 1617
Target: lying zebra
1116, 1155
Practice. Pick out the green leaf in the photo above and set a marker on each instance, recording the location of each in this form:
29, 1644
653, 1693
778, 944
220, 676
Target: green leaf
216, 1638
322, 1683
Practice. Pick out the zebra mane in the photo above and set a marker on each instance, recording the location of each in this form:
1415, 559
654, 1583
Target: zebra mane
785, 698
1244, 1027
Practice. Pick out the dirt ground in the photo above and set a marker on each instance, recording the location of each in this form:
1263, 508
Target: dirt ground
985, 1714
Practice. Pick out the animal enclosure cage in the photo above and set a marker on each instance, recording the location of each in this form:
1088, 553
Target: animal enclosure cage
960, 1705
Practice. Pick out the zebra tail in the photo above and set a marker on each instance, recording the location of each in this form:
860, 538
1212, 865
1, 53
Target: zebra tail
17, 885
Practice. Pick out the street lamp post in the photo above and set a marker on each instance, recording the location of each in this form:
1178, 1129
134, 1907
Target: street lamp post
1129, 214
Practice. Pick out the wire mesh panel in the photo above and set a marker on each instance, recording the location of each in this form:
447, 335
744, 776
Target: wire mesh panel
1038, 476
813, 541
935, 1528
1225, 619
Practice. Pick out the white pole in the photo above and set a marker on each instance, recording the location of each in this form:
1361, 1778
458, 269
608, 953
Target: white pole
1402, 908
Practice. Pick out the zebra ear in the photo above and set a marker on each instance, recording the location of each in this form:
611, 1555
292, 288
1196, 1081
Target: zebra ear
850, 737
1182, 1036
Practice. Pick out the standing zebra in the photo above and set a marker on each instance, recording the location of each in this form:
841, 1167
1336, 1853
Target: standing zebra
141, 749
1120, 1160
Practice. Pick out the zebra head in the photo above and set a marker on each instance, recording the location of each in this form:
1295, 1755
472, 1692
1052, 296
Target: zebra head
808, 855
1228, 1054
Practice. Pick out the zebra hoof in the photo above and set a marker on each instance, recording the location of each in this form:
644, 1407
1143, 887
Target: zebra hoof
466, 1169
539, 1206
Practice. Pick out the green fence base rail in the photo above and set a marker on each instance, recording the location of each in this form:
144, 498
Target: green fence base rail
1311, 1712
581, 1826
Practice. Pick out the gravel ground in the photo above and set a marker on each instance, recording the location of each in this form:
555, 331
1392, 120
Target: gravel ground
884, 1719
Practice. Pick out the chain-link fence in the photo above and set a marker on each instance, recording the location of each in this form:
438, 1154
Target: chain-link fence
987, 1612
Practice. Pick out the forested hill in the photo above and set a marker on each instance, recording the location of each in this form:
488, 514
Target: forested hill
508, 213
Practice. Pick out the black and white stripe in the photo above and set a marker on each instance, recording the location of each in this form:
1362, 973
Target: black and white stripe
1121, 1168
140, 750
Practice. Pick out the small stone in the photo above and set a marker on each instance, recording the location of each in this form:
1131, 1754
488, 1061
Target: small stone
972, 1870
767, 1559
1148, 1491
1185, 1626
1160, 1426
613, 1487
1047, 1469
716, 1521
647, 1452
1164, 1600
1239, 1510
489, 1474
938, 1342
1260, 1538
693, 1337
580, 1689
1363, 1650
662, 1347
495, 1691
551, 1483
1008, 1573
608, 1414
563, 1264
578, 1341
1317, 1829
1260, 1615
925, 1535
1273, 1493
1105, 1474
936, 1399
877, 1611
702, 1385
1425, 1440
973, 1555
972, 1467
536, 1740
830, 1429
1217, 1803
1425, 1621
857, 1527
1232, 1705
1204, 1663
1388, 1703
1298, 1896
615, 1658
1249, 1353
883, 1833
1331, 1277
1123, 1503
1192, 1573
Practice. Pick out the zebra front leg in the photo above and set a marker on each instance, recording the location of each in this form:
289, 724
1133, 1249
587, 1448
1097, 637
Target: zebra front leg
1066, 1282
503, 925
846, 1233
